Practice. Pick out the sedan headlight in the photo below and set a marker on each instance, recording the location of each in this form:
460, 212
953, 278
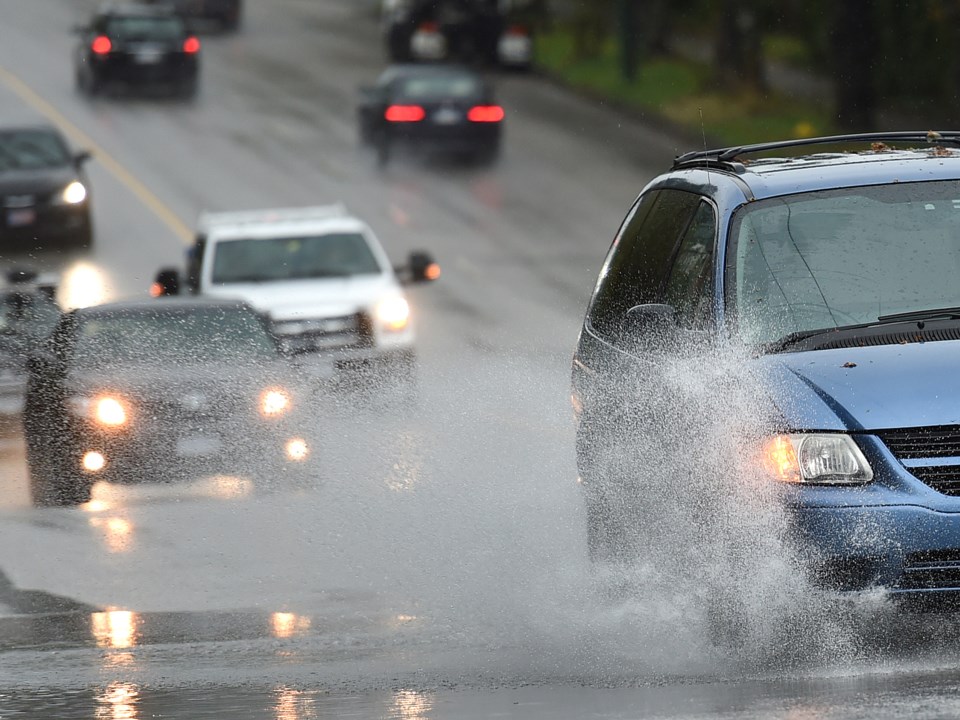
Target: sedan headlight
394, 313
816, 459
105, 410
274, 402
74, 193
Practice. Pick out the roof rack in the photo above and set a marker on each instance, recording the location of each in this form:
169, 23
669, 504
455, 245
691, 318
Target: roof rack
726, 157
273, 215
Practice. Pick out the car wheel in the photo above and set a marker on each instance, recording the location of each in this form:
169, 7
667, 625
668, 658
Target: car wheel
383, 152
487, 156
188, 90
87, 83
83, 240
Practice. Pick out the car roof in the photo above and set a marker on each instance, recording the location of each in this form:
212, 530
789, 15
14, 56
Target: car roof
279, 222
136, 10
764, 177
163, 304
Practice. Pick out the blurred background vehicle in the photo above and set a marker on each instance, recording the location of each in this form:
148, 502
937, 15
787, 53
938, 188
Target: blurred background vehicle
434, 109
162, 390
322, 278
28, 314
463, 30
44, 191
228, 14
137, 46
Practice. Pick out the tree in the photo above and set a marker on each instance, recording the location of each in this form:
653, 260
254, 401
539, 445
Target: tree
854, 51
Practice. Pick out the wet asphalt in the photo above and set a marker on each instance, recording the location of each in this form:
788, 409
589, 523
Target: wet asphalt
436, 569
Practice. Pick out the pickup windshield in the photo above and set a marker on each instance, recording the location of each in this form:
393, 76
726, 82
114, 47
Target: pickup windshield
840, 258
292, 258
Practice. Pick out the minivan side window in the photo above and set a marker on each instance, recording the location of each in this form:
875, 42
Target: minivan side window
636, 268
689, 289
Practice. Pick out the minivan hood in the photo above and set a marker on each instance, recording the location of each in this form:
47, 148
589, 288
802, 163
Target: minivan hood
328, 297
870, 388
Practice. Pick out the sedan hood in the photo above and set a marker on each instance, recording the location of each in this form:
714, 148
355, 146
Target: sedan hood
870, 388
328, 297
36, 182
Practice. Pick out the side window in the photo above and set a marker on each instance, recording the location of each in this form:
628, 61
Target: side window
689, 288
636, 268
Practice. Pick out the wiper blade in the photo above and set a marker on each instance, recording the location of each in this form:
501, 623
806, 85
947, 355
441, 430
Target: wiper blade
792, 339
947, 313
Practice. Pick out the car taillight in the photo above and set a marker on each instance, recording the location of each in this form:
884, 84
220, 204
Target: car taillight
101, 45
486, 114
518, 30
429, 27
191, 45
405, 113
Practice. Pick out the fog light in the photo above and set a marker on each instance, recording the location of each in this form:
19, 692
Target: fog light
93, 461
297, 449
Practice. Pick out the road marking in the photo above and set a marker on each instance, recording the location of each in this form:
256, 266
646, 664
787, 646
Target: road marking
79, 138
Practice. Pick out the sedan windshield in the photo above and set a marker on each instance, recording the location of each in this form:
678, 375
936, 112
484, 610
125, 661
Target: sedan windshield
165, 337
266, 260
31, 150
439, 87
843, 257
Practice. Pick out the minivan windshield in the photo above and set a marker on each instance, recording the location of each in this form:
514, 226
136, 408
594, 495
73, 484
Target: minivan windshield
292, 258
845, 257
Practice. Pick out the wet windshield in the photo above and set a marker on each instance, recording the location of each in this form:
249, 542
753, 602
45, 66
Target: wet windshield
31, 150
438, 87
171, 338
145, 28
293, 258
844, 257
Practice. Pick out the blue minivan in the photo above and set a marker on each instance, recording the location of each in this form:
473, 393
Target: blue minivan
838, 265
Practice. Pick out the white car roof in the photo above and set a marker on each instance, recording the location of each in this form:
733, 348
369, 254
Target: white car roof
277, 222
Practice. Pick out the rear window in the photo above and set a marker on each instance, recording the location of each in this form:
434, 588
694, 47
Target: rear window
145, 28
31, 150
169, 336
439, 87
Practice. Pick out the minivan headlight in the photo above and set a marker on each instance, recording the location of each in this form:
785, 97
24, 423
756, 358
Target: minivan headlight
816, 459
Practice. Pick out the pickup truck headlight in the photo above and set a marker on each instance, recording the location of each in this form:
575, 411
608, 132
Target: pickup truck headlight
816, 459
394, 313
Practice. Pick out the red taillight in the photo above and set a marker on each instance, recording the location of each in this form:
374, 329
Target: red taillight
486, 114
101, 45
405, 113
429, 27
191, 45
519, 30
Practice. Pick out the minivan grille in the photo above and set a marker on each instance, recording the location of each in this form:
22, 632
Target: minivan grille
928, 443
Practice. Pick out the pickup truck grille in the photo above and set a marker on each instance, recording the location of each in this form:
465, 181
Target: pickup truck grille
323, 334
928, 443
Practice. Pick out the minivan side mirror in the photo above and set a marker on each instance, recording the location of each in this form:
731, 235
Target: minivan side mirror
166, 282
420, 268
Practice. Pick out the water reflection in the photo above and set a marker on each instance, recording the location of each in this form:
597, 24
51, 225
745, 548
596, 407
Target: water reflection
82, 285
286, 625
411, 705
114, 628
290, 704
407, 471
118, 701
117, 533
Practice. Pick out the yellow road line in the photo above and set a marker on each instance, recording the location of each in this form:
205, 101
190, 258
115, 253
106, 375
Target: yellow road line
81, 139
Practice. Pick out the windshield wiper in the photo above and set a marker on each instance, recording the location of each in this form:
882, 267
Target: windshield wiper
793, 338
947, 313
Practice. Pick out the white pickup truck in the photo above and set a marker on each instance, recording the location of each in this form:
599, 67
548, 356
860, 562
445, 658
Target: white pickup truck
319, 275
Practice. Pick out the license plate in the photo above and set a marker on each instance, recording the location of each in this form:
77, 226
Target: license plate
197, 446
447, 116
21, 217
148, 57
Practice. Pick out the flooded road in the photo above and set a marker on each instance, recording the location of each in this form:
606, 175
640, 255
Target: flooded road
436, 567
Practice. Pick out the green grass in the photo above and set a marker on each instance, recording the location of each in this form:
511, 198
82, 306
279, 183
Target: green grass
680, 91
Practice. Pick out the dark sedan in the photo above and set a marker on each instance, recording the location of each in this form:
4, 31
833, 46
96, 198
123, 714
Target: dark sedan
176, 389
432, 108
137, 46
44, 192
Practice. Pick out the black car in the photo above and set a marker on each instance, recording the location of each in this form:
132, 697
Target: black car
227, 13
168, 390
44, 192
434, 108
137, 46
28, 314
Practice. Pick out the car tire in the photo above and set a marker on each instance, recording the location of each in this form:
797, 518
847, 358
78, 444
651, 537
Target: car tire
383, 152
87, 83
83, 240
188, 90
487, 156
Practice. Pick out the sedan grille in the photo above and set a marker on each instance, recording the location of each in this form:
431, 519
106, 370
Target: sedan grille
928, 443
931, 570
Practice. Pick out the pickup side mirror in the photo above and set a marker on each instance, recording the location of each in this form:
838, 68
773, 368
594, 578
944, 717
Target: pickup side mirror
420, 268
167, 282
